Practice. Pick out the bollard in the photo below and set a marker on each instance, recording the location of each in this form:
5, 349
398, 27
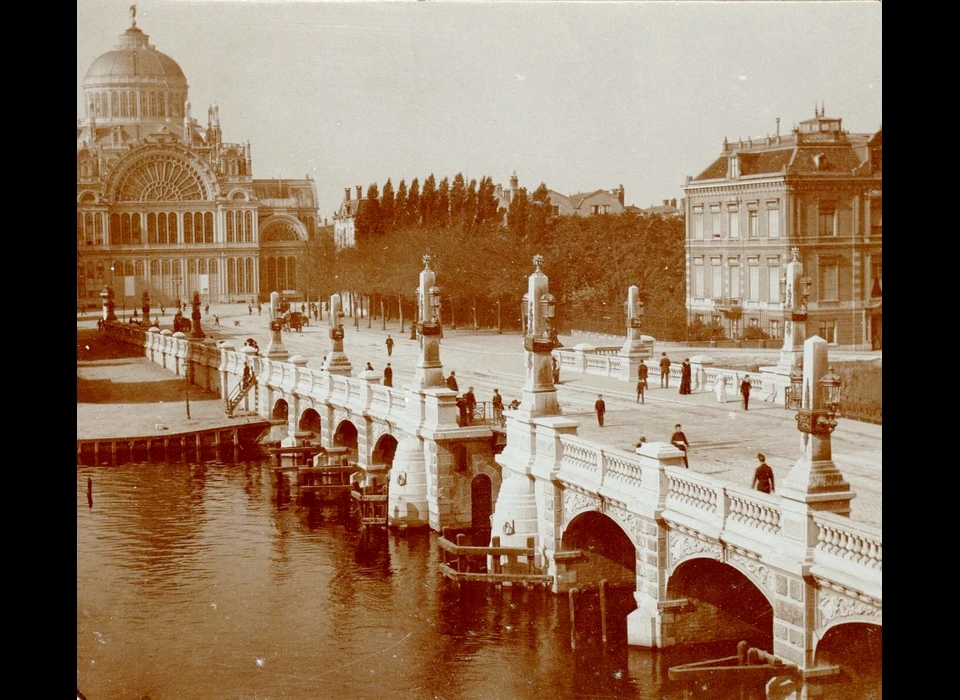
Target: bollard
603, 610
462, 564
573, 625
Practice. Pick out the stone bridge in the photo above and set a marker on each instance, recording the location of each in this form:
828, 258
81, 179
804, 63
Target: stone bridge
705, 560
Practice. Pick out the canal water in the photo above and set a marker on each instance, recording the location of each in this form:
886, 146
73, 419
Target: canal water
206, 581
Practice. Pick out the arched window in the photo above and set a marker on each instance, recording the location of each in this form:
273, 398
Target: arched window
213, 266
231, 277
229, 227
153, 104
88, 229
136, 226
162, 228
151, 228
241, 278
114, 104
124, 111
188, 227
198, 227
140, 269
291, 273
250, 285
125, 229
100, 272
162, 104
80, 238
115, 229
191, 266
128, 268
248, 229
208, 228
154, 268
271, 275
165, 267
177, 269
172, 228
144, 105
98, 228
201, 266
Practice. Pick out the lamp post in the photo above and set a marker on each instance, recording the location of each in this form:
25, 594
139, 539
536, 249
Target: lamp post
276, 350
337, 362
429, 370
815, 480
539, 391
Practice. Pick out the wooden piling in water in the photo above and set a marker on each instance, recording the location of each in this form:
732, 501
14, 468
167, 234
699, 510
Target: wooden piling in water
573, 623
603, 610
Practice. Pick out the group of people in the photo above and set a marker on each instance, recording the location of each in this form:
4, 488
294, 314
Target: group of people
686, 380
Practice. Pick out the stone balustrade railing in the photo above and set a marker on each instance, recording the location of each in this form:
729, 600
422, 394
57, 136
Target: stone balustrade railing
843, 543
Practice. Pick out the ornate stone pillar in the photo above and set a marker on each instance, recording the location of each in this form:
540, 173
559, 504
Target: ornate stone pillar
275, 351
337, 361
635, 350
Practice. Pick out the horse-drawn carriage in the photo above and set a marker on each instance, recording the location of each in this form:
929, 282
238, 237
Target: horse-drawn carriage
295, 321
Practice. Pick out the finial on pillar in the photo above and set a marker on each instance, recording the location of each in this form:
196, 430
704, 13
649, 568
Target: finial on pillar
795, 252
538, 261
427, 259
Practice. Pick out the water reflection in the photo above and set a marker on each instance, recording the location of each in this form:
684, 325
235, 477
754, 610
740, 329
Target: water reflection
209, 581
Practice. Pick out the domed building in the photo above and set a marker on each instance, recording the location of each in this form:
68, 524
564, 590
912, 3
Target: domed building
164, 204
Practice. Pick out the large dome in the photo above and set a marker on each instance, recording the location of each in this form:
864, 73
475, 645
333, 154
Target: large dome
134, 62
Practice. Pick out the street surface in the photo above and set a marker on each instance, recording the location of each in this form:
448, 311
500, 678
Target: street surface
724, 439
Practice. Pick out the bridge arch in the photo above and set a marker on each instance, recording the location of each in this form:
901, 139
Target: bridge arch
310, 421
346, 435
857, 649
723, 604
384, 450
281, 410
608, 551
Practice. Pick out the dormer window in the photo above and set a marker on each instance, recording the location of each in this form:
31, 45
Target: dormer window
734, 167
820, 161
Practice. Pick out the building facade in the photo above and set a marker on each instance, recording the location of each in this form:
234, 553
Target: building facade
587, 203
164, 204
819, 191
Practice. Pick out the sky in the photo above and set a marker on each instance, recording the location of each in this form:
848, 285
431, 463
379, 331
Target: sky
578, 95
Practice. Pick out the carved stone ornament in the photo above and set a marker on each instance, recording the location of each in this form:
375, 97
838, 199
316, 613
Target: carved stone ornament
630, 522
760, 572
402, 479
683, 546
534, 344
508, 528
832, 605
336, 333
574, 502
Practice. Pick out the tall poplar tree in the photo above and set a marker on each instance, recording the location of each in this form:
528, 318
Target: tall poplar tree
413, 203
443, 203
458, 198
386, 206
400, 206
428, 201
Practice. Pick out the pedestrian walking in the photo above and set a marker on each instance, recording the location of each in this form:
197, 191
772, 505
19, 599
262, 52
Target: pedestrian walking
206, 310
641, 389
470, 403
601, 408
763, 476
745, 390
452, 382
664, 371
679, 440
163, 310
556, 370
686, 377
388, 375
249, 310
389, 343
259, 309
216, 320
497, 403
643, 371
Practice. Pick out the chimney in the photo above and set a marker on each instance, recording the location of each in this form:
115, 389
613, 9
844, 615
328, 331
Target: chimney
620, 194
359, 191
666, 202
346, 194
673, 203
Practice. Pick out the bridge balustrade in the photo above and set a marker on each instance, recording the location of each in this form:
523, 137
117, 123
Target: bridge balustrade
850, 547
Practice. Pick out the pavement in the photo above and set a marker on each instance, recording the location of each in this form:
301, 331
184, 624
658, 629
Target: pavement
724, 439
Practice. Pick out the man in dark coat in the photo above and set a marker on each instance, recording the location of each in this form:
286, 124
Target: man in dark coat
664, 371
600, 407
679, 440
763, 477
389, 344
452, 382
388, 375
745, 390
470, 404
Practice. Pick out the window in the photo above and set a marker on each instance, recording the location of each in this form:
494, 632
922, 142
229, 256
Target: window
734, 167
829, 278
733, 219
698, 223
773, 221
775, 328
876, 217
827, 219
876, 278
698, 278
715, 221
734, 265
828, 331
716, 278
753, 285
773, 280
753, 223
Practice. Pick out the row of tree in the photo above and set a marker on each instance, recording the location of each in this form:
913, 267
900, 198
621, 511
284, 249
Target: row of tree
483, 262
